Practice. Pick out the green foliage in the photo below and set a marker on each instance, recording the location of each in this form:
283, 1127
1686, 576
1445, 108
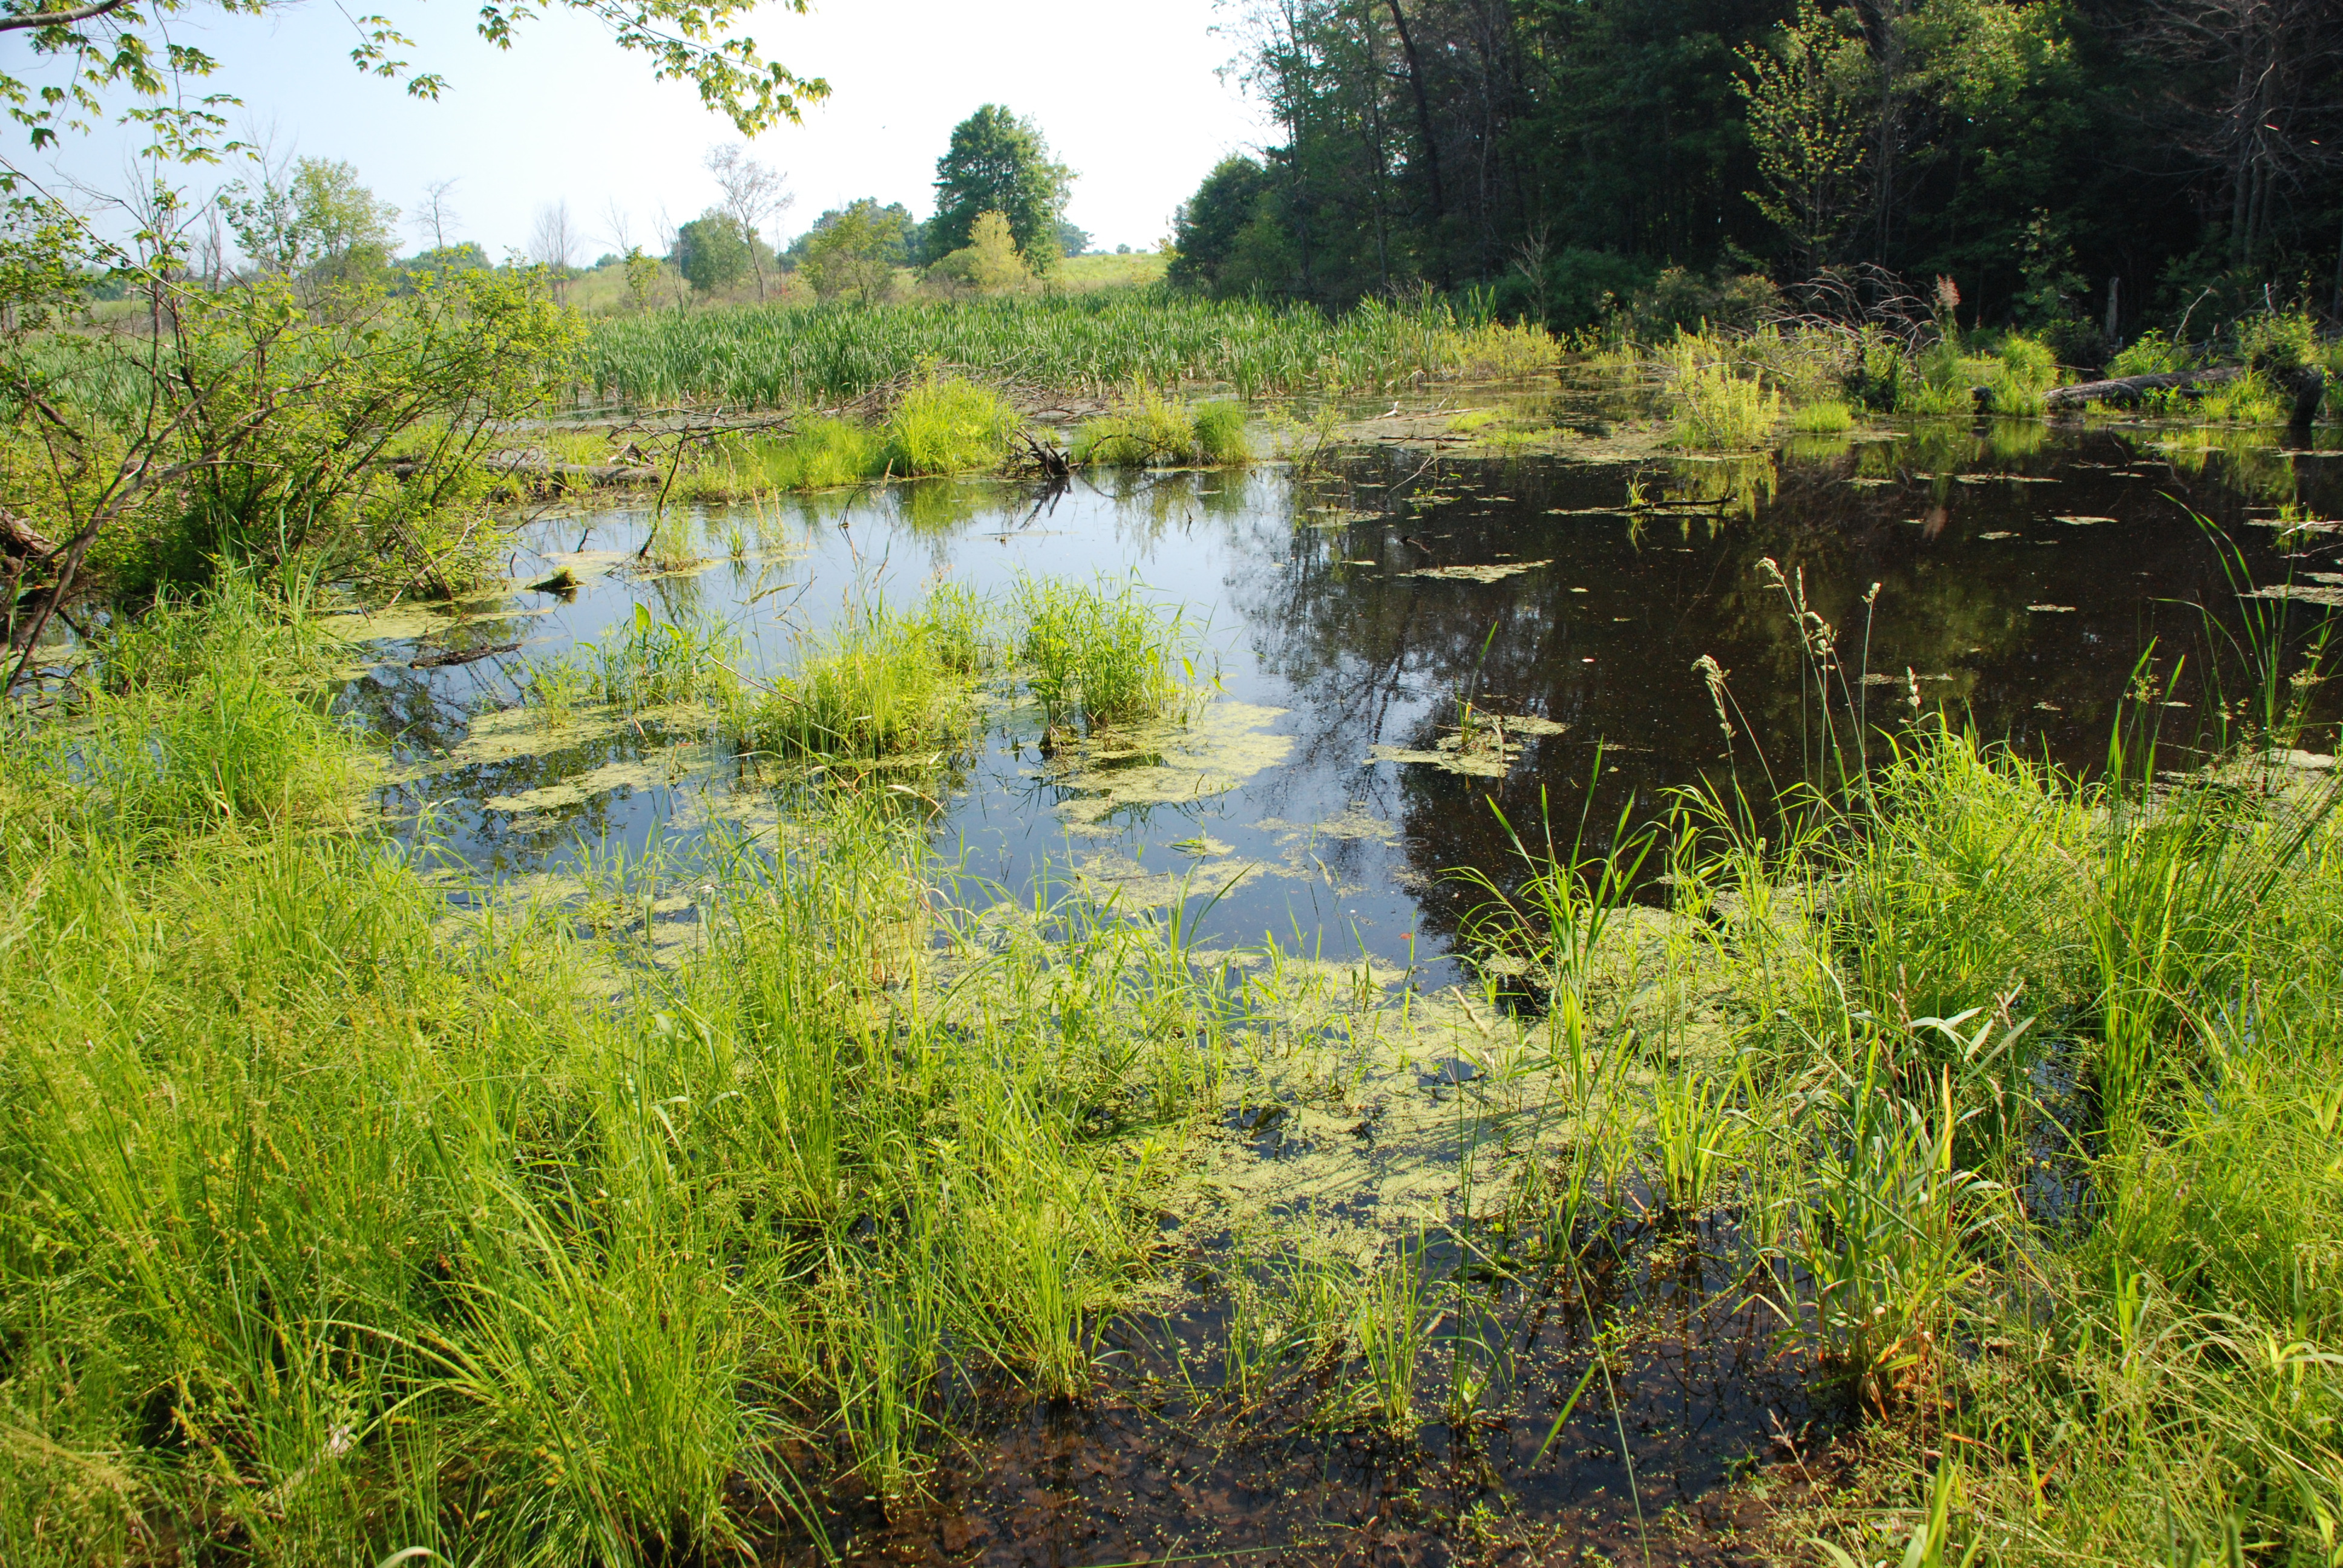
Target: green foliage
1148, 428
262, 428
885, 685
2150, 354
2279, 342
1714, 405
997, 163
822, 455
989, 264
1805, 99
1217, 247
711, 252
2021, 369
417, 1238
1828, 417
134, 49
851, 253
775, 356
1101, 652
943, 425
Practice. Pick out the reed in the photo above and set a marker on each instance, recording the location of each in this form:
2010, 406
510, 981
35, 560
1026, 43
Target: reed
778, 357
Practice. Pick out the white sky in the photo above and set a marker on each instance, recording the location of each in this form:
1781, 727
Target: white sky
1126, 92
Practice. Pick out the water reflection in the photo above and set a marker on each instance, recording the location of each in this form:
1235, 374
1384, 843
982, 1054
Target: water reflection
2021, 572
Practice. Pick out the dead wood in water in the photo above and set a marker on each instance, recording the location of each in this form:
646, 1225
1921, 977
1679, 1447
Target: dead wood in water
2306, 387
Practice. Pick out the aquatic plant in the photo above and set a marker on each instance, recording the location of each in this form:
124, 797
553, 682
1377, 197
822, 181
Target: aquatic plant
1148, 428
1827, 418
883, 684
1715, 409
944, 425
1101, 652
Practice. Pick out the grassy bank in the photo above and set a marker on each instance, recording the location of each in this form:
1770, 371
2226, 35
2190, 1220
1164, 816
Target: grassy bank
787, 356
334, 1227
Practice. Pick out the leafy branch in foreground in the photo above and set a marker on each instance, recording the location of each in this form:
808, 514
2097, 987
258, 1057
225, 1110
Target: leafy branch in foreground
121, 45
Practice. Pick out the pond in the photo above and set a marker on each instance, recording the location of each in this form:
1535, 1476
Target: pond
2013, 573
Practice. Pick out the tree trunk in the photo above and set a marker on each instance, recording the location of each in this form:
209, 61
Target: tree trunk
1422, 111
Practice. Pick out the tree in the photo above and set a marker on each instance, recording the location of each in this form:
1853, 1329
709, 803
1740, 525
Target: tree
753, 197
128, 45
989, 262
711, 252
999, 164
553, 242
1072, 240
313, 220
1206, 230
1802, 96
854, 250
437, 215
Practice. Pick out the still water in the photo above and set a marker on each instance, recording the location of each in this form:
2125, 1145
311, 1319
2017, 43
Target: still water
2015, 574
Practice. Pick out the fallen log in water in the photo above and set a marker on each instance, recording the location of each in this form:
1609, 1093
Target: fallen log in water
2307, 387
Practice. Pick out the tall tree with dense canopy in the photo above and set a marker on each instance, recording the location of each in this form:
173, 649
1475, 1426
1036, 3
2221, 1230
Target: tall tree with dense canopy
998, 162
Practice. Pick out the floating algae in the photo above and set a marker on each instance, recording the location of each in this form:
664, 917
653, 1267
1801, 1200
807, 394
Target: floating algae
1120, 772
1480, 574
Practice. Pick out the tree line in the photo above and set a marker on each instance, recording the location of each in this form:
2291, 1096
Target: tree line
2080, 167
1000, 220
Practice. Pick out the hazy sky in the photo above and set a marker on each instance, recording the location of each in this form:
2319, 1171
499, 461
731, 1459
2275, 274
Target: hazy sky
1127, 94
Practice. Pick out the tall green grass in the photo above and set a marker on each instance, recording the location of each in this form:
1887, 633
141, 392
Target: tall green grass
772, 356
336, 1227
1148, 428
1101, 651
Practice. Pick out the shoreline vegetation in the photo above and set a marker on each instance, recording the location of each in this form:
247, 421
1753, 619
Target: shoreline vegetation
595, 1233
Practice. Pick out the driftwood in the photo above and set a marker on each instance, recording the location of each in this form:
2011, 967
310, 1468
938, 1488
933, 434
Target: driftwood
2307, 387
468, 655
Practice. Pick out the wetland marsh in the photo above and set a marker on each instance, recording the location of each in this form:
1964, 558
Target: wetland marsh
1414, 1082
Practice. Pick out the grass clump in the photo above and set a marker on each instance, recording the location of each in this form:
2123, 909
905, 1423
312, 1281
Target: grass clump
2018, 373
1715, 409
943, 425
1830, 416
822, 455
641, 663
885, 685
1101, 652
1152, 429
